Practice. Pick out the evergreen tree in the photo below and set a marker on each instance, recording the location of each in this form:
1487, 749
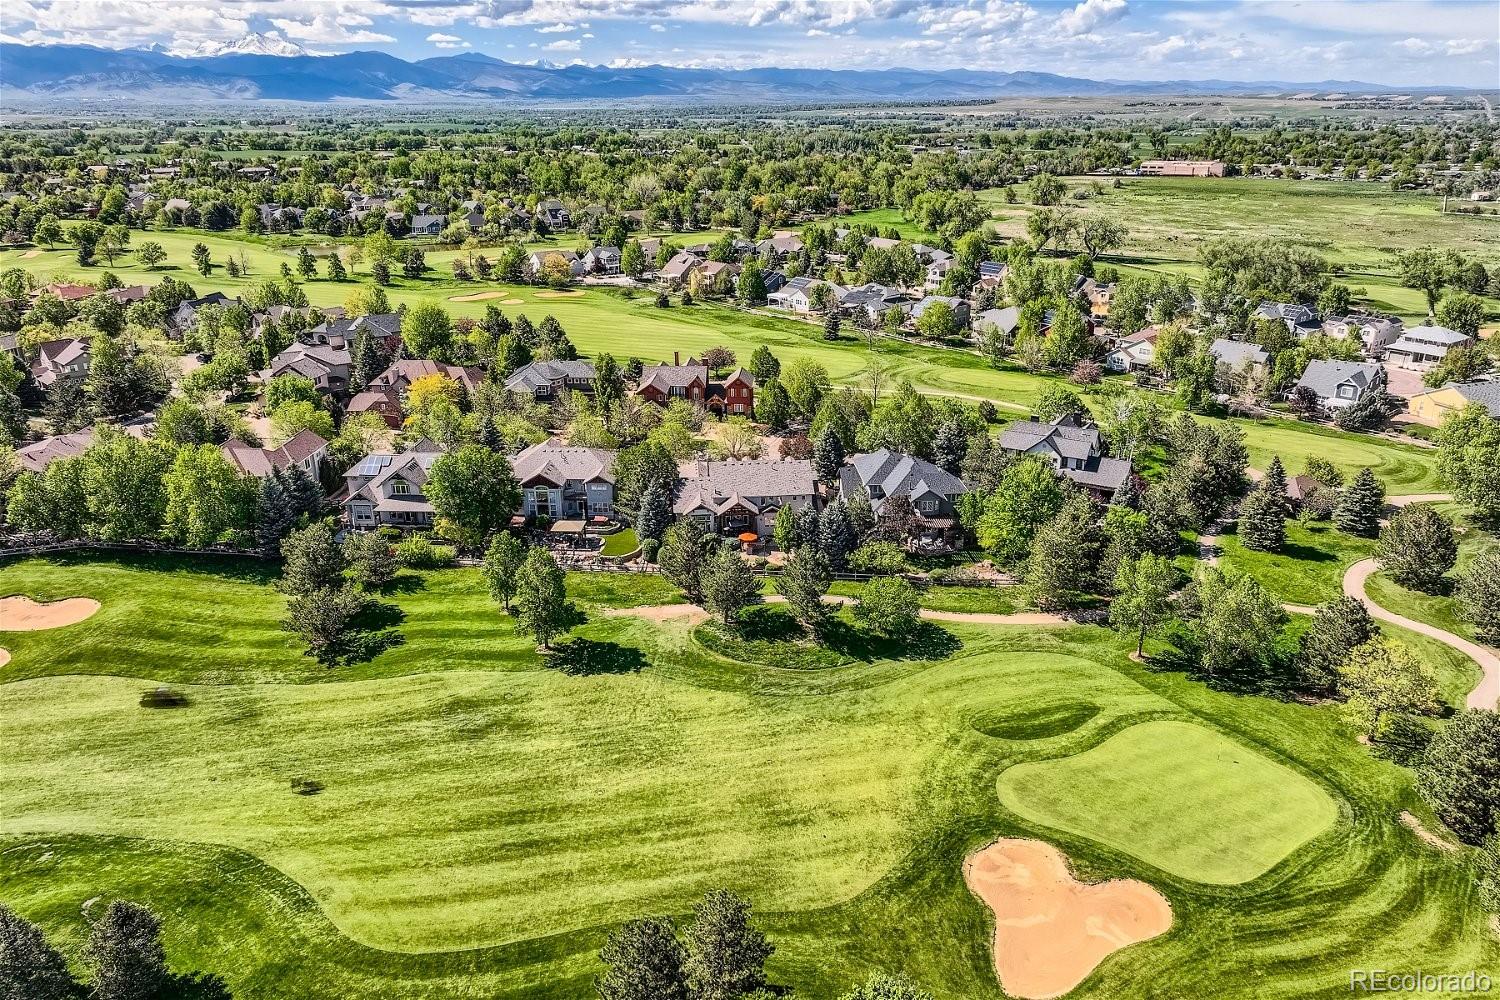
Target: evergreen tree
1459, 775
729, 584
609, 384
763, 364
836, 534
502, 564
1274, 482
828, 454
1337, 628
681, 558
644, 962
336, 269
312, 560
1417, 547
30, 968
773, 407
803, 582
306, 266
1262, 524
726, 957
305, 495
1478, 595
831, 327
370, 558
655, 512
275, 514
367, 361
125, 951
807, 525
862, 515
1065, 555
950, 443
1360, 505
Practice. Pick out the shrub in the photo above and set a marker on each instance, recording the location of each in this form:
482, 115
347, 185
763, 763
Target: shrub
418, 552
649, 547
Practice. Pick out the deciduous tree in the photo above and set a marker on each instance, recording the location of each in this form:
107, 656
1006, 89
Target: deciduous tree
474, 493
1143, 593
726, 957
541, 599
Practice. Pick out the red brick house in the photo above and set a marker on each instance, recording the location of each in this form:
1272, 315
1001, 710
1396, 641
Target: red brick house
691, 382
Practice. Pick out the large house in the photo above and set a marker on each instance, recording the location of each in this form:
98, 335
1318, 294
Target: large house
305, 450
1300, 320
385, 489
1425, 346
797, 294
1134, 352
537, 261
60, 359
1238, 356
327, 366
932, 490
559, 481
1375, 332
960, 308
1074, 447
428, 225
187, 310
744, 496
36, 456
691, 382
545, 381
601, 260
1338, 384
680, 269
871, 299
386, 392
1435, 404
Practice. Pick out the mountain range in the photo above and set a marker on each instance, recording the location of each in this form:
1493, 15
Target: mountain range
270, 68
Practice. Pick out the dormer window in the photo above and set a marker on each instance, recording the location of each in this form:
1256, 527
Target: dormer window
400, 488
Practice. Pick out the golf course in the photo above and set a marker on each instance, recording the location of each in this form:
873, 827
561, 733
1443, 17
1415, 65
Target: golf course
454, 817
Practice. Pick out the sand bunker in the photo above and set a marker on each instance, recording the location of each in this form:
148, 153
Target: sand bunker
559, 295
1051, 930
484, 297
4, 657
30, 254
22, 614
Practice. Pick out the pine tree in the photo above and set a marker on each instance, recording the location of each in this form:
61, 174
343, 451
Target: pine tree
1274, 481
828, 454
729, 584
726, 957
304, 493
1417, 547
275, 514
1065, 554
336, 270
803, 582
1263, 520
1360, 505
836, 534
126, 953
1337, 627
30, 968
644, 961
681, 558
312, 560
655, 512
807, 525
371, 559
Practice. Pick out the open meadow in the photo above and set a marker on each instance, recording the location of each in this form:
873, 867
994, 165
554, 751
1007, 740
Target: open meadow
481, 821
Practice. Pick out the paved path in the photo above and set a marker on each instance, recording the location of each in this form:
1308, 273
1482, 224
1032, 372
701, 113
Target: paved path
1486, 694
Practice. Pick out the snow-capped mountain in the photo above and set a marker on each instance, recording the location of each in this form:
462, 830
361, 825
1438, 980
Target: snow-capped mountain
253, 44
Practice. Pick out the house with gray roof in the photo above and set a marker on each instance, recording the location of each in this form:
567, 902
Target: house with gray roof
1375, 332
545, 381
1425, 346
1434, 405
305, 450
959, 306
738, 496
1338, 384
872, 299
1238, 356
562, 481
61, 359
797, 294
386, 489
1004, 320
1075, 449
327, 366
932, 490
1300, 320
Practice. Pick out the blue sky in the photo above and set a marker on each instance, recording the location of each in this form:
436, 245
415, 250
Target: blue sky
1403, 42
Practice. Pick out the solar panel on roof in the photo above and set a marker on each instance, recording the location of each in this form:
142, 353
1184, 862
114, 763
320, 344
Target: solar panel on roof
373, 464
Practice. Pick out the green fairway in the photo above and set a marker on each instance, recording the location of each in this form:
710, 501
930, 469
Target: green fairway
483, 821
1309, 569
1177, 796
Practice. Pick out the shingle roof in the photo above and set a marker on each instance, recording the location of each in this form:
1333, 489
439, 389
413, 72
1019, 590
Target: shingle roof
556, 462
896, 475
1235, 353
718, 484
258, 462
38, 455
1324, 377
1487, 393
1069, 441
543, 373
664, 377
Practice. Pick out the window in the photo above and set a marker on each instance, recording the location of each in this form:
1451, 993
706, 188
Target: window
400, 488
927, 505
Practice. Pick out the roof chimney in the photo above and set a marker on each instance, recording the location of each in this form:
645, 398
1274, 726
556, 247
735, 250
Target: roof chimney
676, 359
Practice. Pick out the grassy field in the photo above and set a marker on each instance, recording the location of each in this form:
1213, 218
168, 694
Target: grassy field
1357, 226
1239, 814
1310, 567
483, 820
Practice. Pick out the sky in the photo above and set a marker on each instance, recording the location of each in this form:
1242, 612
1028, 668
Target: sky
1399, 42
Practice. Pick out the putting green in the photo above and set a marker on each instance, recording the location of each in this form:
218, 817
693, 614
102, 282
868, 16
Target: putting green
1178, 796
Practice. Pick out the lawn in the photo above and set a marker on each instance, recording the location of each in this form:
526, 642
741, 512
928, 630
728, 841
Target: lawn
1233, 814
1309, 569
621, 543
484, 820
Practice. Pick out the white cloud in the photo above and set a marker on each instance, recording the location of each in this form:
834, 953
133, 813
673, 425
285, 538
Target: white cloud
556, 29
818, 33
1165, 48
563, 45
658, 27
329, 30
443, 41
1091, 15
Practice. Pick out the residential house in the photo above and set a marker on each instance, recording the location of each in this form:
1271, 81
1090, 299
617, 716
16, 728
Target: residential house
1425, 346
1182, 168
59, 359
327, 366
797, 294
1100, 298
744, 496
554, 214
386, 489
537, 260
559, 481
131, 294
712, 274
1238, 356
386, 393
428, 225
1074, 447
691, 382
959, 306
545, 381
601, 261
932, 490
780, 245
992, 269
66, 291
306, 450
36, 456
1375, 332
1003, 320
936, 272
1300, 320
1338, 384
679, 270
1433, 405
1133, 352
187, 310
872, 300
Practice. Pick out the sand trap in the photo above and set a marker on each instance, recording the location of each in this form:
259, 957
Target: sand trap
22, 614
551, 294
4, 656
483, 297
30, 254
1051, 930
1425, 835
